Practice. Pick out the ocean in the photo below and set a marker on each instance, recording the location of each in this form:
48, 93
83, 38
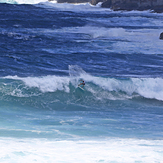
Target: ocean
45, 50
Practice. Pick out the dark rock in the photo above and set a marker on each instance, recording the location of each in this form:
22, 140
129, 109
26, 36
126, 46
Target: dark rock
131, 4
125, 6
158, 9
156, 5
161, 36
73, 1
107, 4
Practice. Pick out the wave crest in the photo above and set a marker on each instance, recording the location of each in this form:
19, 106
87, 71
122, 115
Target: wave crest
96, 87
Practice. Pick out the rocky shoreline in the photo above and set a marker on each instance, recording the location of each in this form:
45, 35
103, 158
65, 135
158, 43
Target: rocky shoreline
128, 5
140, 5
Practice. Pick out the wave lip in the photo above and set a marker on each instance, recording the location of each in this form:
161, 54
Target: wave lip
151, 88
45, 83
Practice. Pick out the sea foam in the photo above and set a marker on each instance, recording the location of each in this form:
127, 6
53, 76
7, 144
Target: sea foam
88, 151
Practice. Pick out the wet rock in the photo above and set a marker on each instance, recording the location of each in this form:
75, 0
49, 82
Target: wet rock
73, 1
107, 4
161, 36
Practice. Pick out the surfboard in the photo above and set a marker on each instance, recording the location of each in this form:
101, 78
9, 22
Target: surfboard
81, 88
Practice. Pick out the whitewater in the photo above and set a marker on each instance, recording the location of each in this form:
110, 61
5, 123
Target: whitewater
46, 49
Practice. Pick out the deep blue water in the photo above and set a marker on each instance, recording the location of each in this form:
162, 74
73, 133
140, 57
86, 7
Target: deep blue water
46, 49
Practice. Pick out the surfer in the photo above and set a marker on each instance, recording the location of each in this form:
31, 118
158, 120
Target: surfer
82, 83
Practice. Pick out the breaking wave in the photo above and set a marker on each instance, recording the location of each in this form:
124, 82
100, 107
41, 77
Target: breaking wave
97, 87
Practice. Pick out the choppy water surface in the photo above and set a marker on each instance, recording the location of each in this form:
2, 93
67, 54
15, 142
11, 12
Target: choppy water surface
46, 49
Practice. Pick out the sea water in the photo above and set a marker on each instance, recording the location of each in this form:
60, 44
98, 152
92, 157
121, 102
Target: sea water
45, 50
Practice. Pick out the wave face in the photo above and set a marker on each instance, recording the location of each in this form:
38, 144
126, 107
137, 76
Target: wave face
57, 101
97, 88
